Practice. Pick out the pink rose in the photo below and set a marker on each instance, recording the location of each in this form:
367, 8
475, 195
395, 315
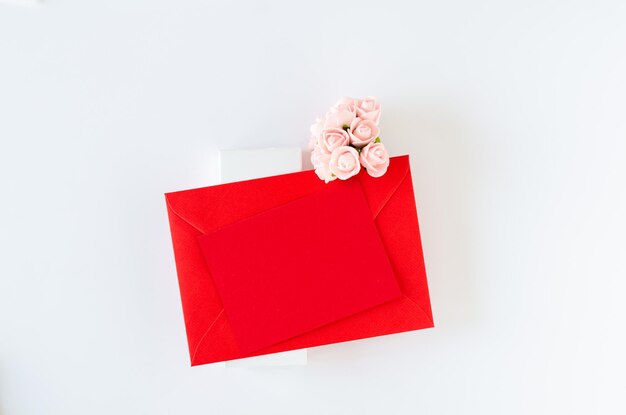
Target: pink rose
321, 163
362, 132
316, 129
346, 104
339, 119
369, 109
333, 138
375, 159
344, 162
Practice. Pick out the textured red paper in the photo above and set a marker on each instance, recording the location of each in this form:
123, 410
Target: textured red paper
299, 266
200, 211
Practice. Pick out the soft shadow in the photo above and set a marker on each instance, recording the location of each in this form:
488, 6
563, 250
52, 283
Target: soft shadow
306, 160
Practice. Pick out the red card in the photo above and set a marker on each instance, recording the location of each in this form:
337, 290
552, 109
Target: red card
299, 266
212, 333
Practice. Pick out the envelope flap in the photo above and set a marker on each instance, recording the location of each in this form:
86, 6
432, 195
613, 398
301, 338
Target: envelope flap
209, 208
378, 190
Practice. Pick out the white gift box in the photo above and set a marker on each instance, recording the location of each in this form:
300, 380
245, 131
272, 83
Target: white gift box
237, 165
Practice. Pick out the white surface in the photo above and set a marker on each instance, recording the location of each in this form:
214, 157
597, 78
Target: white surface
244, 164
512, 112
26, 3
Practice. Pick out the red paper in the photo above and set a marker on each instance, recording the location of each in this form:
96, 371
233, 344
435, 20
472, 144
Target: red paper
299, 266
211, 334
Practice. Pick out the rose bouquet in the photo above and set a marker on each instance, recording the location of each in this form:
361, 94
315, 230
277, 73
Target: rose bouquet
346, 139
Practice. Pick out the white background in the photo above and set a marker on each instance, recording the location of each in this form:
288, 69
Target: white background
513, 113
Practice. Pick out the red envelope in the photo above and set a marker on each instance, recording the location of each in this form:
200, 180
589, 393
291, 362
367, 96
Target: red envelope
290, 262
